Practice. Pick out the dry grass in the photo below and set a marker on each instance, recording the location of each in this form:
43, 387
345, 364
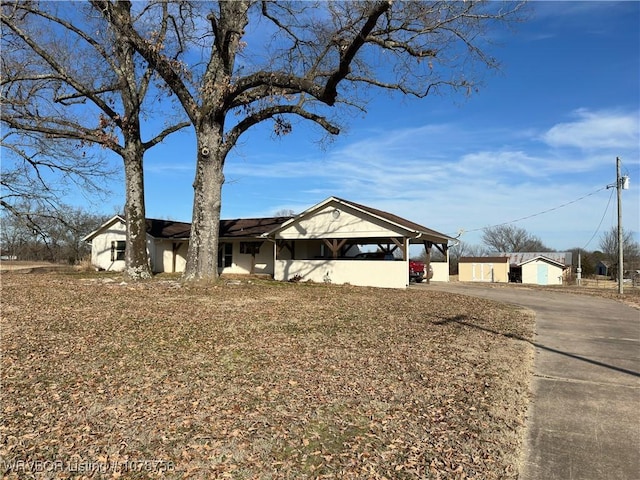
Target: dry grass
25, 266
258, 380
630, 297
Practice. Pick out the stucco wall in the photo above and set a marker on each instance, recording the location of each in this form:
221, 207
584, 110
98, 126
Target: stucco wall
162, 260
348, 224
440, 271
101, 248
241, 262
366, 273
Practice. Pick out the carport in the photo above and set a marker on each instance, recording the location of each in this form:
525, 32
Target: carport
323, 244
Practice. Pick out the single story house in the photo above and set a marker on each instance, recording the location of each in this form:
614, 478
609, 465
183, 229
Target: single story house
537, 268
321, 244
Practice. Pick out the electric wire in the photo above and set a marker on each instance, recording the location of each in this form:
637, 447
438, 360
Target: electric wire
539, 213
601, 220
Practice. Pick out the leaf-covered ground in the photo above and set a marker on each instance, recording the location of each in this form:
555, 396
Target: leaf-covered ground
257, 380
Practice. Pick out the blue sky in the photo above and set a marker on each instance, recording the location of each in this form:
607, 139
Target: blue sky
542, 132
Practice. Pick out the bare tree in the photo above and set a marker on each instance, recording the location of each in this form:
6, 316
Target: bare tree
37, 234
463, 249
68, 82
509, 238
258, 61
630, 249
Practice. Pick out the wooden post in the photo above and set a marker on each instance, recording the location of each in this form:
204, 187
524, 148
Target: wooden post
427, 266
334, 245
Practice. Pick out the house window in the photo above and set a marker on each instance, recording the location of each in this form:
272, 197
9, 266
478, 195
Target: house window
117, 250
225, 255
251, 248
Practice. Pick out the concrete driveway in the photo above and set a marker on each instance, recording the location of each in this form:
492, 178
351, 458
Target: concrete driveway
584, 418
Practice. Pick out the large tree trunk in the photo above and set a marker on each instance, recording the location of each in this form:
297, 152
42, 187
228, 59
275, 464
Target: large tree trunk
202, 257
136, 258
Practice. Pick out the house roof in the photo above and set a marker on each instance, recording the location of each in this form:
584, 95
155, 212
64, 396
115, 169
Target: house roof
403, 222
542, 258
235, 228
249, 227
262, 227
104, 226
518, 258
418, 230
170, 229
483, 259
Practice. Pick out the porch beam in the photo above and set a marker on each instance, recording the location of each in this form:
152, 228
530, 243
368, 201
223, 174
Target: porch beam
401, 246
334, 245
442, 247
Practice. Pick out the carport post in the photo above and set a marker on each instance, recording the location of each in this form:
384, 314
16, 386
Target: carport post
427, 266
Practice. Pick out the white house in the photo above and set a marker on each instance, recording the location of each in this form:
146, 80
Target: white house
321, 244
240, 245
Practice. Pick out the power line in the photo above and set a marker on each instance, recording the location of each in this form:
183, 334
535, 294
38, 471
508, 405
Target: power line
540, 213
599, 224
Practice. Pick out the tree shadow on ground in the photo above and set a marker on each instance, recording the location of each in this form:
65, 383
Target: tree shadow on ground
464, 320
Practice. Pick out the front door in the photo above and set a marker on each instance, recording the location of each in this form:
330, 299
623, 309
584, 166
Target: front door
543, 274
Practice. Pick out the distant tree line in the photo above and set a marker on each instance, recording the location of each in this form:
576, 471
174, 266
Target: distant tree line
511, 239
35, 234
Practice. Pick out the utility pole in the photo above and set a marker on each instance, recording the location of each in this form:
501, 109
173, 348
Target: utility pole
620, 184
579, 270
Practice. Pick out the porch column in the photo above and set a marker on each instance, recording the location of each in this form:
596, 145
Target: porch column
427, 266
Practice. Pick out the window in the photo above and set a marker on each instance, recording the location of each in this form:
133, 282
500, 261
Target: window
117, 250
225, 255
251, 248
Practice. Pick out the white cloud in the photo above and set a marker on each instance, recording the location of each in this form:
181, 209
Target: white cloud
448, 176
596, 130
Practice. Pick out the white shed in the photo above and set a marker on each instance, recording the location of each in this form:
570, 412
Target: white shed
542, 271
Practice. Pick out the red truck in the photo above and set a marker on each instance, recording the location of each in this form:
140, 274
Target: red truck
416, 267
416, 271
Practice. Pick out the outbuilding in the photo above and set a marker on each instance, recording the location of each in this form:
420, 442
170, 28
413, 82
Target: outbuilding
542, 271
483, 269
538, 268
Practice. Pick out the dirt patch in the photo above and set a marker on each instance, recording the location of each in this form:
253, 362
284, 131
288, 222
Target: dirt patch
259, 380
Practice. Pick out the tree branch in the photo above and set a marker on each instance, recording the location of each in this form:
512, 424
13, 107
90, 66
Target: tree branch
234, 134
163, 134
